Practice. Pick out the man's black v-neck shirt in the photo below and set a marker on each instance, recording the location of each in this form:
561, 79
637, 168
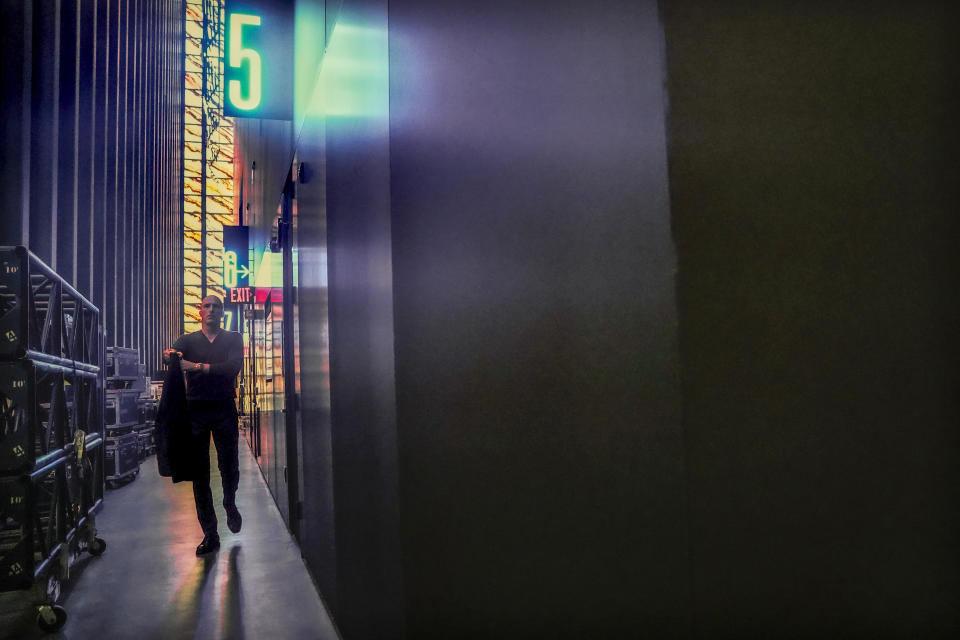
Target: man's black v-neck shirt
225, 357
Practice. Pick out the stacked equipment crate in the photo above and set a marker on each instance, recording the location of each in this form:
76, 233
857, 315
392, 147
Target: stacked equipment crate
147, 429
122, 450
51, 432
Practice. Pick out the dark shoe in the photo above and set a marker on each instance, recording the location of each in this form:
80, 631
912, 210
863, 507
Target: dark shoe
234, 521
209, 544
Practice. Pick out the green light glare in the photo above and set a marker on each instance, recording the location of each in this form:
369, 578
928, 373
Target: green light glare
309, 28
354, 76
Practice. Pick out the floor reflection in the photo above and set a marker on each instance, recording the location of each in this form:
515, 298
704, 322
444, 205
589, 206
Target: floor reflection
184, 610
231, 610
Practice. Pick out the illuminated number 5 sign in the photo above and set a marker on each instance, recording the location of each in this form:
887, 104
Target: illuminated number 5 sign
258, 68
240, 54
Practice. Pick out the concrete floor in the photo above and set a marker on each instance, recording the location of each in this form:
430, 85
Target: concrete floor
150, 585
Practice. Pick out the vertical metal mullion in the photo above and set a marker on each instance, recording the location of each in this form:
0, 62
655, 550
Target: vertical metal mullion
136, 263
180, 141
113, 183
99, 196
149, 164
76, 142
42, 136
55, 142
27, 125
123, 131
64, 186
86, 120
203, 156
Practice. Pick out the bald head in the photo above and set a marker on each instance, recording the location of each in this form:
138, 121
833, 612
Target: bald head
211, 312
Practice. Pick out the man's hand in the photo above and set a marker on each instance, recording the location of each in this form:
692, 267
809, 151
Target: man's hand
167, 353
186, 365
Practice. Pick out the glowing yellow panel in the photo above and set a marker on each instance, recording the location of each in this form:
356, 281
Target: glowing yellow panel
191, 168
191, 258
217, 175
191, 241
192, 291
212, 223
222, 189
214, 278
193, 29
221, 169
215, 243
223, 136
226, 219
217, 206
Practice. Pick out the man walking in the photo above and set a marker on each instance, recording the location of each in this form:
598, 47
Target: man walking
211, 359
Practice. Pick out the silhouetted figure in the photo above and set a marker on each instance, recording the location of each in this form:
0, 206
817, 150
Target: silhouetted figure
211, 359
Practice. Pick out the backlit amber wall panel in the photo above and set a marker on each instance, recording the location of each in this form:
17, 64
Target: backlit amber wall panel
208, 159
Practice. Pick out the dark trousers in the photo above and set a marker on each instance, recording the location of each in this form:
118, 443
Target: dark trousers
220, 422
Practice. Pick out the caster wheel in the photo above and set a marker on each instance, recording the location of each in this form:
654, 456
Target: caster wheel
97, 547
51, 618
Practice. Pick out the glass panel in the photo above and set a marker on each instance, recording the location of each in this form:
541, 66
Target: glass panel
193, 28
220, 186
192, 293
191, 259
191, 168
220, 206
191, 281
192, 94
191, 241
226, 219
191, 221
215, 242
214, 278
193, 64
192, 118
191, 46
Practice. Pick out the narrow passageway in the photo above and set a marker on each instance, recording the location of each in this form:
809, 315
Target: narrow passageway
150, 585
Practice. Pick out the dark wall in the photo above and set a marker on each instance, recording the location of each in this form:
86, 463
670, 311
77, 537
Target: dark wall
538, 397
92, 130
362, 392
814, 206
579, 430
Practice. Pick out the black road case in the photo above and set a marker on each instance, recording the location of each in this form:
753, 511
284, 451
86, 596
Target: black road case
121, 459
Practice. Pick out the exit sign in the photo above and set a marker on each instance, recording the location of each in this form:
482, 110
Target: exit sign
258, 59
242, 295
